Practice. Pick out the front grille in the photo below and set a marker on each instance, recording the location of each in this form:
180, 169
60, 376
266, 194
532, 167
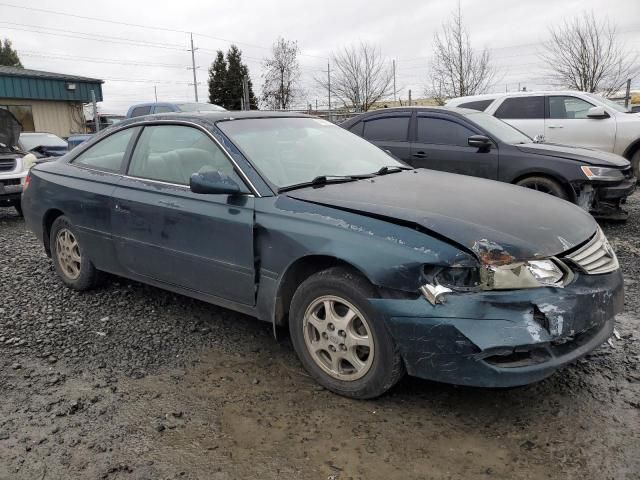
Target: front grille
7, 164
595, 257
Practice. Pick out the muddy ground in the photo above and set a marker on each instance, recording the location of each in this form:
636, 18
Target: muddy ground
131, 382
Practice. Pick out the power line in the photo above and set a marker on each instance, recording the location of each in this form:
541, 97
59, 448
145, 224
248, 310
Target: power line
137, 25
96, 38
106, 61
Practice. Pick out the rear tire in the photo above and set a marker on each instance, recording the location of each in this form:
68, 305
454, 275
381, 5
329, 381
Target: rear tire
544, 185
71, 264
18, 206
347, 350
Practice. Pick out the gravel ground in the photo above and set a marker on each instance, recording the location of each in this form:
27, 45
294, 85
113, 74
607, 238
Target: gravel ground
132, 382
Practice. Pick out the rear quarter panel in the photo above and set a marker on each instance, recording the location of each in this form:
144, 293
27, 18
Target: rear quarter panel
83, 196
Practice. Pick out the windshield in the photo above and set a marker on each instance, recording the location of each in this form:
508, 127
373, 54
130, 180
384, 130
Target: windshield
30, 141
609, 103
290, 151
499, 129
199, 107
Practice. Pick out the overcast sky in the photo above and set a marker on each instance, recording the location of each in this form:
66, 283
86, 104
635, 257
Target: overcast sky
403, 30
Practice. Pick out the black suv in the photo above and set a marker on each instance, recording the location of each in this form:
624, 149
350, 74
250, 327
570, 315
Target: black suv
469, 142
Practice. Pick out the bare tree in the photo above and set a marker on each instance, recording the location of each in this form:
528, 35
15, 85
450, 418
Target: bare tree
585, 54
281, 75
456, 69
360, 76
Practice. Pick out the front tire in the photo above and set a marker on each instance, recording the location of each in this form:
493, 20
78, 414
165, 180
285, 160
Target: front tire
544, 185
635, 164
71, 264
340, 338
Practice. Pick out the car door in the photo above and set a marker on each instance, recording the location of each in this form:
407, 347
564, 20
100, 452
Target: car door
567, 123
389, 131
92, 178
526, 113
441, 143
165, 232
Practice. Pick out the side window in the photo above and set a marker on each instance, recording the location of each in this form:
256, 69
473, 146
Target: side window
480, 105
172, 153
439, 131
568, 107
357, 128
387, 128
108, 153
521, 107
139, 111
162, 109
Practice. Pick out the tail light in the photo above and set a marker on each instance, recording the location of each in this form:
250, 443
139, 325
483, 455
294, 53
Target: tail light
27, 179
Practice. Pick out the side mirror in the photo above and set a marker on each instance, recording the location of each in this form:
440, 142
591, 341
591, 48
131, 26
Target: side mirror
213, 182
482, 143
539, 138
597, 112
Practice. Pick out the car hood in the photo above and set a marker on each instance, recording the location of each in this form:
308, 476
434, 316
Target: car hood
10, 128
499, 223
585, 155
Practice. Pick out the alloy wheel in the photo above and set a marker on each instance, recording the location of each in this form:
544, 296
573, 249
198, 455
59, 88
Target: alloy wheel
338, 338
68, 253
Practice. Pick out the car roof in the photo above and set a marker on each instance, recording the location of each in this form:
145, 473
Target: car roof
486, 96
418, 108
208, 116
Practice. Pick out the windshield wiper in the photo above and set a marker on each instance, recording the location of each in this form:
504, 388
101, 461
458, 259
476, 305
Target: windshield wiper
325, 180
392, 169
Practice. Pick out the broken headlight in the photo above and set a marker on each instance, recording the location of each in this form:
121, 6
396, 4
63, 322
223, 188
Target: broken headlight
529, 274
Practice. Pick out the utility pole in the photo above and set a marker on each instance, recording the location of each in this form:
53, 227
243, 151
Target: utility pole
394, 79
329, 86
96, 120
316, 106
193, 67
409, 97
245, 93
627, 95
155, 93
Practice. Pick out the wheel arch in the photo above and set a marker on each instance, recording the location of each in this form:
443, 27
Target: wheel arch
568, 188
631, 150
296, 273
47, 222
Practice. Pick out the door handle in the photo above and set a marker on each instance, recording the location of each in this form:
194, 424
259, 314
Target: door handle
555, 126
169, 204
420, 155
122, 208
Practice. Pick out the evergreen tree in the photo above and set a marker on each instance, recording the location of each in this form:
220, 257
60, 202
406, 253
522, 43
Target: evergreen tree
236, 70
217, 75
8, 56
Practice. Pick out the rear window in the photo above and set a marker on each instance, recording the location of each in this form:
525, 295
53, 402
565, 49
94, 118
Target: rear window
139, 111
480, 105
521, 107
393, 129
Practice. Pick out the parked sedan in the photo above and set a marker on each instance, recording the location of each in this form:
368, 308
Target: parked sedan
376, 268
474, 143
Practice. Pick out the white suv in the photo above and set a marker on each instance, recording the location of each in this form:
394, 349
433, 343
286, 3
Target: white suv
566, 117
14, 164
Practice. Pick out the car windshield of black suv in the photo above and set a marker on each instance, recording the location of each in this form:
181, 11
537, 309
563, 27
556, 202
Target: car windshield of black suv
499, 129
291, 151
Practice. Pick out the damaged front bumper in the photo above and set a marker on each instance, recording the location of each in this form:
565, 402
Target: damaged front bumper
605, 200
504, 338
